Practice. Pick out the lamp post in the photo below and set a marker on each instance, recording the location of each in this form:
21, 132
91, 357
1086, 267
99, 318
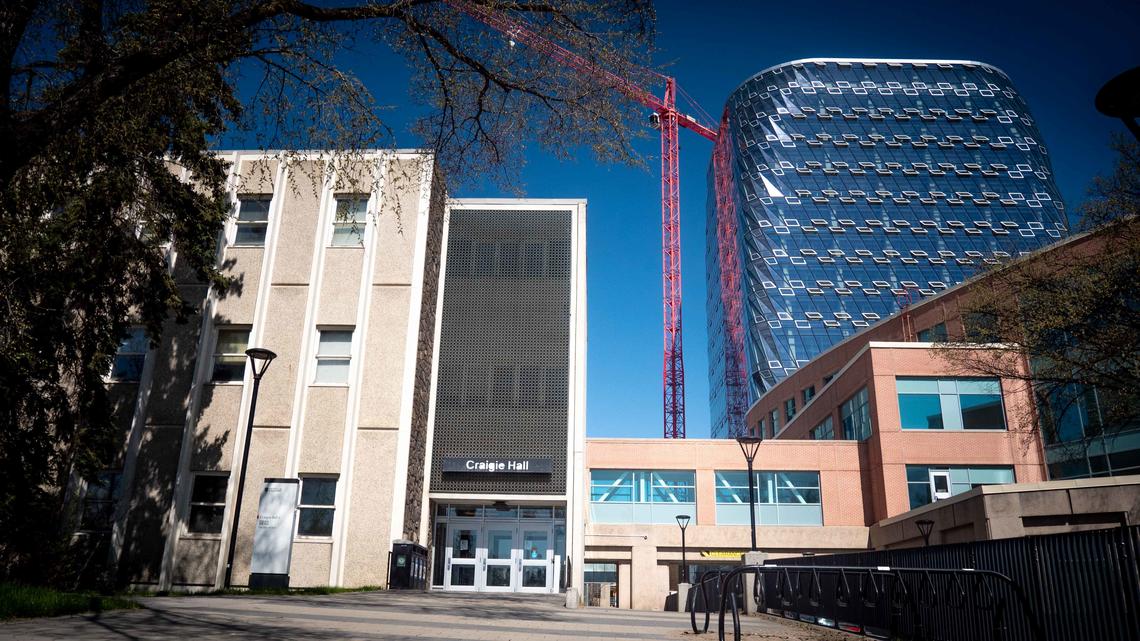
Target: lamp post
259, 360
750, 445
683, 521
925, 527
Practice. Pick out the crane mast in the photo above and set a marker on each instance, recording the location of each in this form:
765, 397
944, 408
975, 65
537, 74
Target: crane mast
668, 120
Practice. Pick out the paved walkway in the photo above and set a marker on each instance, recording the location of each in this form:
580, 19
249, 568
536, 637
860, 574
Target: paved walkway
386, 616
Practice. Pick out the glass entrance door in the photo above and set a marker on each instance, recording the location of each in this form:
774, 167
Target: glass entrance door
536, 562
498, 558
462, 557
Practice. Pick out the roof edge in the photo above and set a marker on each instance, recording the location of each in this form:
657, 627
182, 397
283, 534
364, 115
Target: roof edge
879, 61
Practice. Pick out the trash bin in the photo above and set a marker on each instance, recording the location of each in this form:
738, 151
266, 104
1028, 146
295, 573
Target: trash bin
407, 566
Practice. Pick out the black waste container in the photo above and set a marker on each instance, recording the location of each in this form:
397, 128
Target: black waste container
407, 566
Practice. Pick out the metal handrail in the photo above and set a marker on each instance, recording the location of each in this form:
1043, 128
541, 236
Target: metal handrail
970, 588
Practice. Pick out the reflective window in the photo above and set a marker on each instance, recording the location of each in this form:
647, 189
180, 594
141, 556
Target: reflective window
130, 357
103, 493
935, 334
924, 481
350, 220
207, 504
317, 509
856, 415
825, 431
782, 497
229, 354
950, 404
252, 220
334, 355
640, 496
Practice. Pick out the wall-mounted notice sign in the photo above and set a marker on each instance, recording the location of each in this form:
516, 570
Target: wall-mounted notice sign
498, 466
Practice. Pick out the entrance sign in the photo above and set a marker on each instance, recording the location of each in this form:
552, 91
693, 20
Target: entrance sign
273, 538
498, 466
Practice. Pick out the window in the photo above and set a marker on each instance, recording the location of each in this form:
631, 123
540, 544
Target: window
207, 504
641, 496
130, 357
827, 379
318, 506
775, 417
856, 415
924, 482
782, 498
99, 502
825, 431
808, 394
252, 220
936, 334
229, 355
950, 404
334, 355
789, 410
351, 218
981, 327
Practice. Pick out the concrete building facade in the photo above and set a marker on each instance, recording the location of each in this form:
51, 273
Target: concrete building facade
339, 268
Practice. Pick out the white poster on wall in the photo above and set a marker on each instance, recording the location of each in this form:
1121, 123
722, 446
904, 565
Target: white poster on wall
273, 538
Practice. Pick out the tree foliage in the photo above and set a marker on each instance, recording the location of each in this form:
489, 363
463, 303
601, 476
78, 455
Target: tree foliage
1070, 319
101, 97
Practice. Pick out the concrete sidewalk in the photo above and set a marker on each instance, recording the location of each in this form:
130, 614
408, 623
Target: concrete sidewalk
383, 615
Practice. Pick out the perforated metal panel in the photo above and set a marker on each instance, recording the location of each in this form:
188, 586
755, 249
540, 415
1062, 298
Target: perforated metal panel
502, 388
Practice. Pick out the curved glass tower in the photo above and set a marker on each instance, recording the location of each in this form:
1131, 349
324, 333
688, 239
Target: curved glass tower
858, 184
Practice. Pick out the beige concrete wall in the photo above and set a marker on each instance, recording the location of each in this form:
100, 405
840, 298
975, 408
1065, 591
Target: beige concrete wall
293, 417
340, 286
283, 331
369, 532
145, 528
266, 460
384, 360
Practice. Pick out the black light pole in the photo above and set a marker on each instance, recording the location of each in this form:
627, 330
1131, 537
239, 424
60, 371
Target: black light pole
683, 521
1120, 98
259, 360
925, 527
750, 445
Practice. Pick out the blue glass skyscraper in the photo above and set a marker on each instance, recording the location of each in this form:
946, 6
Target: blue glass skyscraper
857, 184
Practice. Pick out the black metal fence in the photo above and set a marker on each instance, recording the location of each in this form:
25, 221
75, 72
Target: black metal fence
1066, 587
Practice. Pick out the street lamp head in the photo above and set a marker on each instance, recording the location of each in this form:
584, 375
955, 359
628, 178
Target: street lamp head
750, 445
1120, 97
925, 527
683, 520
259, 360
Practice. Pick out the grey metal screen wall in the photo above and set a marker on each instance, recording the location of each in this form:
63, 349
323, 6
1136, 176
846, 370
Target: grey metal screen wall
502, 389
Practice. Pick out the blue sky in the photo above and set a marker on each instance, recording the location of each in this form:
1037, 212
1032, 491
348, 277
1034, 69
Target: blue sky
1058, 54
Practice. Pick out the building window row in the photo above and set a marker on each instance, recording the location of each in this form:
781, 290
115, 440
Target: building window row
333, 357
208, 505
349, 221
644, 496
950, 404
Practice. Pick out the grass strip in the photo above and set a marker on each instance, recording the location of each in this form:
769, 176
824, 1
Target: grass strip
23, 601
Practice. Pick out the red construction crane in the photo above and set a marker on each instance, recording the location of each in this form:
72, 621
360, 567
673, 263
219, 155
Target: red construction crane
667, 119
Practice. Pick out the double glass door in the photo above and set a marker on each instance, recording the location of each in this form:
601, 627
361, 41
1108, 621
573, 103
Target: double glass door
501, 557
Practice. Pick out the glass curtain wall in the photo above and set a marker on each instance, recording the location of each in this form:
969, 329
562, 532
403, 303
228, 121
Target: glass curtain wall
860, 184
